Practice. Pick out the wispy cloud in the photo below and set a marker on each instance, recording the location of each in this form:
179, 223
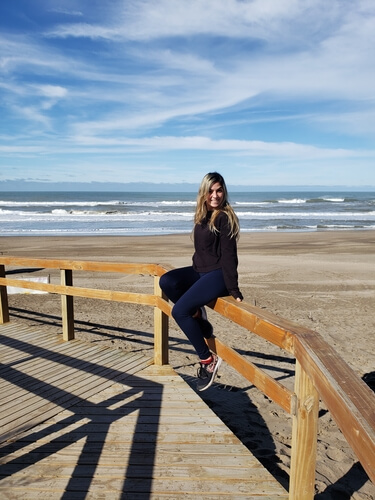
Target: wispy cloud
67, 12
145, 20
53, 91
251, 148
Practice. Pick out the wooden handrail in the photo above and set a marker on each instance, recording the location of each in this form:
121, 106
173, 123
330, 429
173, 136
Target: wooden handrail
88, 293
320, 372
85, 265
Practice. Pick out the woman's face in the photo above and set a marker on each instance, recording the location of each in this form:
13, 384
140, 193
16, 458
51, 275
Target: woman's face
215, 196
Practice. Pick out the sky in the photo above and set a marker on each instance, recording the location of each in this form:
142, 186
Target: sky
266, 92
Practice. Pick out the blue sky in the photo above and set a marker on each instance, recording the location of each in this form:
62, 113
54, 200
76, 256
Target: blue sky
267, 92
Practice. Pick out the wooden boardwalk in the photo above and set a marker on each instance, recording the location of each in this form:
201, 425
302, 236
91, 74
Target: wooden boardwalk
82, 421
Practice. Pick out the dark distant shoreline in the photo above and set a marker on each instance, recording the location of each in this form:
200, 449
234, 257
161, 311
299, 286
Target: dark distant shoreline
29, 186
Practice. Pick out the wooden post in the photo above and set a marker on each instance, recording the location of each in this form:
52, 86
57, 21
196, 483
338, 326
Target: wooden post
304, 438
67, 309
4, 307
161, 327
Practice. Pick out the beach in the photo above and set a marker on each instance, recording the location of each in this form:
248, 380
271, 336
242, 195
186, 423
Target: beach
323, 280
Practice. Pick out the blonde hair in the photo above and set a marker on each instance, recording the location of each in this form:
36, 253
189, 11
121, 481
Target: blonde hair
201, 209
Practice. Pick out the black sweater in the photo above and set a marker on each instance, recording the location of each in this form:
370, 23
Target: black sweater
217, 251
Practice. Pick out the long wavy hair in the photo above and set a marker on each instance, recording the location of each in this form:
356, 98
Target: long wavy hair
201, 209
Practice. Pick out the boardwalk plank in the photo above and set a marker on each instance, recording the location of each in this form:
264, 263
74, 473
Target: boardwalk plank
226, 456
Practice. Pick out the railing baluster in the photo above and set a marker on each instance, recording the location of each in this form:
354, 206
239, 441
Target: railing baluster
4, 307
67, 309
304, 438
161, 327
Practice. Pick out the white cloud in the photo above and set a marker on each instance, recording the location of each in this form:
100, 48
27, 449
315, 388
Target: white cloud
83, 30
21, 149
60, 10
54, 91
352, 123
33, 114
145, 20
251, 148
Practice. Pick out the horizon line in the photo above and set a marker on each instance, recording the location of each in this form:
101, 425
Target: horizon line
24, 185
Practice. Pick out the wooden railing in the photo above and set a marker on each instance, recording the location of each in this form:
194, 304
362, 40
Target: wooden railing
320, 372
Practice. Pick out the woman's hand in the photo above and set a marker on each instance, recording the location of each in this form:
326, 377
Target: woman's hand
237, 295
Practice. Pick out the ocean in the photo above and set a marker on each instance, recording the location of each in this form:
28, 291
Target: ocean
137, 213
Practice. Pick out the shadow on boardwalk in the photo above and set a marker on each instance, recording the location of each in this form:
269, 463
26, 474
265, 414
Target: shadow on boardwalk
44, 391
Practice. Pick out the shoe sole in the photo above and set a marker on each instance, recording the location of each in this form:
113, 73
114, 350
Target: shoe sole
214, 373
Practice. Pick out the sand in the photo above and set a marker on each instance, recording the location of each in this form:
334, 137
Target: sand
322, 280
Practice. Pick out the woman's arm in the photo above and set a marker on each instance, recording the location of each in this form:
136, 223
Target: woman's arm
229, 258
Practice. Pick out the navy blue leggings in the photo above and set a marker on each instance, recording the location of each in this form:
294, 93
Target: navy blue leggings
190, 290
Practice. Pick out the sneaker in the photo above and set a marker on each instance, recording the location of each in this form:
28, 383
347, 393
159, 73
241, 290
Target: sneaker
207, 373
206, 327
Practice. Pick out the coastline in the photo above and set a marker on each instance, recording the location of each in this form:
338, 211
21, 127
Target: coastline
322, 280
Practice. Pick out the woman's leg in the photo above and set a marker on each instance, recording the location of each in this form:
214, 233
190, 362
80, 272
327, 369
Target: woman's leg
208, 287
176, 282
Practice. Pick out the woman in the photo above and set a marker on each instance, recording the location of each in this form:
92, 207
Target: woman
212, 275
